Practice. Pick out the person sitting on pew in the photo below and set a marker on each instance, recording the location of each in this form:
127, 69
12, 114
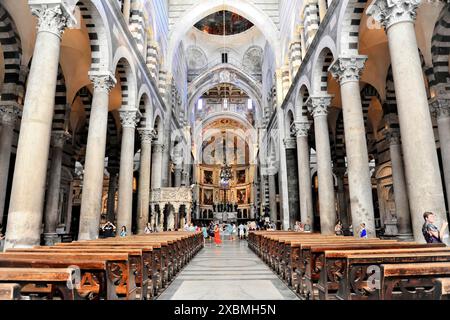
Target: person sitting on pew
430, 232
363, 231
109, 229
338, 229
148, 228
123, 231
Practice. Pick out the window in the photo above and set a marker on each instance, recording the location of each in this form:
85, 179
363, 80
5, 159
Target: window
249, 104
200, 104
225, 103
224, 57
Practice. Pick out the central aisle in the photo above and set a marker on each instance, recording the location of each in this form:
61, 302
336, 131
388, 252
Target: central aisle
229, 272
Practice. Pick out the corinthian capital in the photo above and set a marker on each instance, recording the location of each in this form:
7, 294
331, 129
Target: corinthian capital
440, 107
147, 135
58, 139
390, 12
9, 115
129, 118
318, 105
53, 15
102, 80
346, 69
302, 128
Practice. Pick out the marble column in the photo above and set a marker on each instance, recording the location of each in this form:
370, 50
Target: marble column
157, 151
58, 140
425, 191
147, 136
8, 118
440, 108
188, 213
347, 71
301, 29
304, 173
112, 188
153, 216
129, 119
318, 106
91, 201
341, 198
272, 196
162, 208
28, 188
399, 182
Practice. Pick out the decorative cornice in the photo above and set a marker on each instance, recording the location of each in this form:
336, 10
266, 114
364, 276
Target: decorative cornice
52, 18
9, 115
102, 81
390, 12
440, 108
346, 69
58, 139
318, 105
129, 118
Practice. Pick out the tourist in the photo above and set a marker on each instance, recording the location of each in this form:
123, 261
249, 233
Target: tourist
205, 233
186, 227
2, 241
241, 231
108, 229
191, 228
363, 231
430, 232
123, 231
148, 228
233, 232
338, 229
301, 227
217, 239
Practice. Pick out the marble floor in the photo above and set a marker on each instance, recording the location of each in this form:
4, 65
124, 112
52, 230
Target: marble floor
229, 272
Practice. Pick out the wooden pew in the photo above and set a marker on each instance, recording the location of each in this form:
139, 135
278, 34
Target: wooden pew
9, 291
443, 285
414, 281
136, 258
357, 270
329, 260
107, 276
49, 282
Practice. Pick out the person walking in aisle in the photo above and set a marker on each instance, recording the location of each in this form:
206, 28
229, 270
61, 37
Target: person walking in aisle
217, 239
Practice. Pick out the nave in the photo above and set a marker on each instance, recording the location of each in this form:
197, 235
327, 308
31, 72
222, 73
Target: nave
229, 272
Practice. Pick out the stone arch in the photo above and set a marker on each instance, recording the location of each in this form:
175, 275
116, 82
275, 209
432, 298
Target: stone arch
325, 55
101, 43
146, 109
289, 120
127, 79
60, 115
12, 55
204, 8
158, 127
301, 110
367, 93
348, 27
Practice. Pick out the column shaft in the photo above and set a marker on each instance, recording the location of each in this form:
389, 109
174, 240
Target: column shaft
144, 180
9, 117
421, 165
112, 188
91, 202
125, 204
304, 176
273, 198
28, 188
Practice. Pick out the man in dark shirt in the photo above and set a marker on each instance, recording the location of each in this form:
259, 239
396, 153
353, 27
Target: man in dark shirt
429, 230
